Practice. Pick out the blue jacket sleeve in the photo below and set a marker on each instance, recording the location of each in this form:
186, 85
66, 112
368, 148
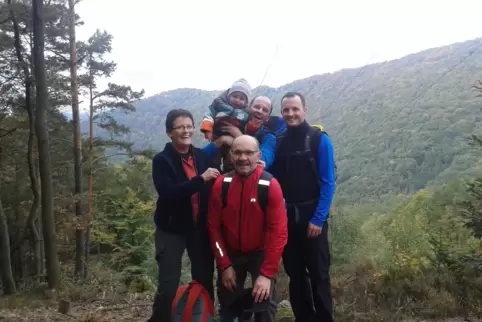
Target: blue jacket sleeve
326, 171
268, 149
281, 126
210, 149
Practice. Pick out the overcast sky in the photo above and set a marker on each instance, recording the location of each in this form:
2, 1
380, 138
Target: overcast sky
166, 44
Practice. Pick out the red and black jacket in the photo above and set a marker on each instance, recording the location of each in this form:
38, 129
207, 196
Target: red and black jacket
174, 211
242, 227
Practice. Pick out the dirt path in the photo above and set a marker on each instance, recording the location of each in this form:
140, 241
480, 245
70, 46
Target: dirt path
107, 311
97, 311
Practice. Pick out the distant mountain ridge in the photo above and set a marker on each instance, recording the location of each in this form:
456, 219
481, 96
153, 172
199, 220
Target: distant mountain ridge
82, 116
396, 126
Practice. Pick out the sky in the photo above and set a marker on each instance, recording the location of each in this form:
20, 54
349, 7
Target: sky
161, 45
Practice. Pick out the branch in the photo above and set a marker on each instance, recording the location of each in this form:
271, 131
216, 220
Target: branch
65, 60
61, 139
9, 79
8, 132
79, 60
98, 169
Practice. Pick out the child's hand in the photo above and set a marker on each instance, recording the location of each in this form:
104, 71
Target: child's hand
231, 129
208, 136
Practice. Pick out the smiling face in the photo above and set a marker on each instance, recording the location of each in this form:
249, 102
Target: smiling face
182, 132
293, 110
245, 154
261, 109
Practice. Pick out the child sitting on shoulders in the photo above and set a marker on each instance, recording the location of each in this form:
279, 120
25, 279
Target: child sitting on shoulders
230, 107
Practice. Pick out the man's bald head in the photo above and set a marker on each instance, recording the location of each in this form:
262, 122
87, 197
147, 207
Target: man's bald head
261, 98
246, 142
261, 108
245, 154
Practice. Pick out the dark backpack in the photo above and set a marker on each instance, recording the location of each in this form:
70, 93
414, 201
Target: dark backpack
316, 131
192, 304
263, 187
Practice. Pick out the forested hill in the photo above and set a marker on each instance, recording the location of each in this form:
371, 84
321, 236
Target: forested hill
397, 126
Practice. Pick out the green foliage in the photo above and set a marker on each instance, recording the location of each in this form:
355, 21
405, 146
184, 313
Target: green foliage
403, 242
400, 126
123, 221
420, 255
472, 208
128, 227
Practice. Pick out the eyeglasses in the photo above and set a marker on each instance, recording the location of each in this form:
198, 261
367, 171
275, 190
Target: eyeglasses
238, 153
184, 128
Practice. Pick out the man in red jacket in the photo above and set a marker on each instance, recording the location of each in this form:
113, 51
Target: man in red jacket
247, 226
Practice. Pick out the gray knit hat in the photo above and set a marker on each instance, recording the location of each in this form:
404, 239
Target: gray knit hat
242, 86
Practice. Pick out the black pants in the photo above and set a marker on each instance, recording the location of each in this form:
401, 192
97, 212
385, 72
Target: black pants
307, 263
169, 251
230, 302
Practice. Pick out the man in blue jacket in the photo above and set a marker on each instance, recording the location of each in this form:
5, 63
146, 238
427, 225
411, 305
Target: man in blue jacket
305, 168
260, 109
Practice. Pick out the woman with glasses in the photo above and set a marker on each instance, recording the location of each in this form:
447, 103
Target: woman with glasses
183, 176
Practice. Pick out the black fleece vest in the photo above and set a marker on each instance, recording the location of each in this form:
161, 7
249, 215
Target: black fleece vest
292, 167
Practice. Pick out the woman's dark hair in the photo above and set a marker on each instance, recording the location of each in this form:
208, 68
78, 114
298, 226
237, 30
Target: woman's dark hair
174, 114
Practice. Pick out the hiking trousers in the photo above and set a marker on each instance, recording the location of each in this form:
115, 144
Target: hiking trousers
307, 263
231, 304
169, 251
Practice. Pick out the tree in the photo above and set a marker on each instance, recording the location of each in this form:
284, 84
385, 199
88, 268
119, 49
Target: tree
80, 248
472, 208
48, 225
5, 259
31, 160
101, 102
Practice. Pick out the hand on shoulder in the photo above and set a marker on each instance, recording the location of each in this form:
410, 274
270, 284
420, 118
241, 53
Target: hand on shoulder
210, 174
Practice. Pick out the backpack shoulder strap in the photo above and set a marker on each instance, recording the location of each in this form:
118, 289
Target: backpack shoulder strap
263, 189
180, 292
317, 130
272, 123
194, 291
225, 187
311, 144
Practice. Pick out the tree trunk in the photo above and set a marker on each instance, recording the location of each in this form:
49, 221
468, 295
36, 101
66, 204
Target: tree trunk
32, 170
38, 224
48, 224
89, 175
79, 233
17, 256
33, 213
5, 259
